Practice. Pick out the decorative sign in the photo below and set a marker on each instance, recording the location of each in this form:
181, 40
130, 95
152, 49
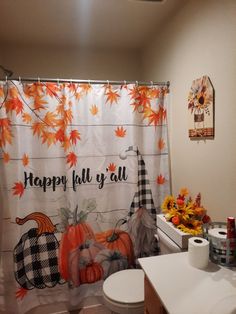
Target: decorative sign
201, 109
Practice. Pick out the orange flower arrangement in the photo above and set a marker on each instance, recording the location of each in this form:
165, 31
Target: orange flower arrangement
186, 214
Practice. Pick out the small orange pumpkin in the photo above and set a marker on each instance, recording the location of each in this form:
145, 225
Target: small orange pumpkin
91, 273
117, 240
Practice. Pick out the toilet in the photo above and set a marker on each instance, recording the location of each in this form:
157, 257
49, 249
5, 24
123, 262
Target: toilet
123, 292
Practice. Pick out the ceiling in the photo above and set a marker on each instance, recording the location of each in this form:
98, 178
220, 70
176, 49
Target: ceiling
84, 23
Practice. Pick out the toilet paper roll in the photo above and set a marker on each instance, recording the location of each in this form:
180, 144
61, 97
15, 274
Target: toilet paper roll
217, 236
198, 252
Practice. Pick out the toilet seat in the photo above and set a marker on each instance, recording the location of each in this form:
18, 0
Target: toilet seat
123, 291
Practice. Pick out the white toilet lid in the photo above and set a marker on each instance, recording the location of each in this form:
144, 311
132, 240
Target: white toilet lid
125, 286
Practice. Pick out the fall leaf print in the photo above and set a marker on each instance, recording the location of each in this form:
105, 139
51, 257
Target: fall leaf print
13, 92
66, 143
50, 119
48, 137
14, 104
60, 135
112, 96
39, 103
71, 159
161, 144
160, 179
85, 88
94, 110
52, 89
32, 90
18, 188
74, 136
5, 132
26, 118
25, 160
6, 157
120, 132
38, 128
112, 167
157, 117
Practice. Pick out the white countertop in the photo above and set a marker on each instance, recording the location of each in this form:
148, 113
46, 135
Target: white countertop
184, 289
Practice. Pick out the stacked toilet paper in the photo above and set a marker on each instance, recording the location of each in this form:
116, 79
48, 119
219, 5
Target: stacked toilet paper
198, 252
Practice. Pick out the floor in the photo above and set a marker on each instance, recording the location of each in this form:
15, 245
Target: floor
96, 309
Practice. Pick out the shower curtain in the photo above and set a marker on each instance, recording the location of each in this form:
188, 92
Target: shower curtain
84, 169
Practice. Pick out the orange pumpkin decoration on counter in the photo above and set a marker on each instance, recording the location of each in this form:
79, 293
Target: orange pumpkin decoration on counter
117, 240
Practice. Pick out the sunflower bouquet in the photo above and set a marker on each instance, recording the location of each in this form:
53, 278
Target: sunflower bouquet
186, 214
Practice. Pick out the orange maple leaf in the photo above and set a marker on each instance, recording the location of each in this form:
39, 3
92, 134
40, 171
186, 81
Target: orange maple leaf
34, 89
85, 88
66, 143
39, 103
112, 96
157, 117
161, 144
60, 135
112, 167
21, 293
48, 137
74, 136
50, 118
25, 160
72, 87
52, 89
14, 104
5, 132
6, 157
26, 117
120, 132
71, 159
38, 128
160, 179
68, 116
18, 188
155, 93
94, 110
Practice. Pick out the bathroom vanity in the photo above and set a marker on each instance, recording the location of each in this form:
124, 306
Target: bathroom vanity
173, 286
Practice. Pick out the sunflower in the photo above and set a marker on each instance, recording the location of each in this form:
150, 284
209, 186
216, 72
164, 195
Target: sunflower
168, 203
186, 211
193, 227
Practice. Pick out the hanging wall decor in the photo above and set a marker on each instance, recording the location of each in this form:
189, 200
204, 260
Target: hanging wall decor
201, 109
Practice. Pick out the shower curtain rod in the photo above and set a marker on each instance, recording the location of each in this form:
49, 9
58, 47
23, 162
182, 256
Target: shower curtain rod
30, 79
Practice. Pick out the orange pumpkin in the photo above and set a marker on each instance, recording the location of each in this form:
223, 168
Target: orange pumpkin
73, 237
117, 240
91, 273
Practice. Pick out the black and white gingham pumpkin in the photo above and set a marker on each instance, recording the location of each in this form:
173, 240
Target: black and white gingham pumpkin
35, 255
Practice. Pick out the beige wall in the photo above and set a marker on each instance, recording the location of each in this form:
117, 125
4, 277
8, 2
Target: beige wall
71, 63
201, 40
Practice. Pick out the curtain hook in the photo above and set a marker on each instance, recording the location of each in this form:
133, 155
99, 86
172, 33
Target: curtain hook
6, 79
39, 80
89, 82
137, 83
19, 79
58, 82
108, 83
125, 82
151, 83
